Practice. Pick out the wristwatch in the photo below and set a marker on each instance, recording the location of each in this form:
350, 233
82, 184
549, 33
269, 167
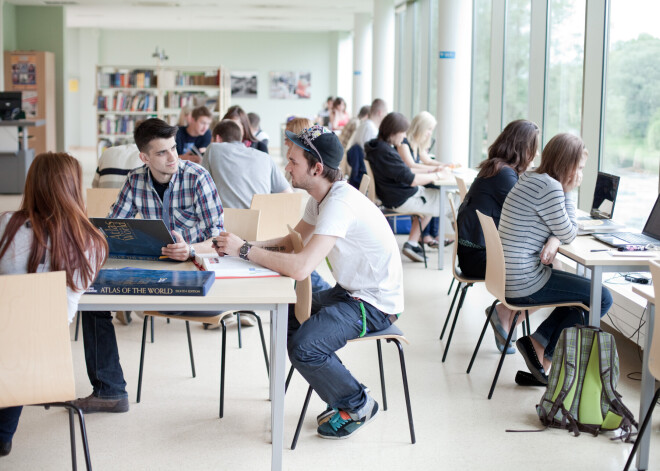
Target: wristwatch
191, 252
244, 250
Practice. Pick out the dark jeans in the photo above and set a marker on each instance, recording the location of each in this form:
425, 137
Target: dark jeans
8, 422
336, 318
562, 287
432, 228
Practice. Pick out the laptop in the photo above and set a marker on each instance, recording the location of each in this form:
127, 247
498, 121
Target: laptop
650, 234
139, 239
602, 207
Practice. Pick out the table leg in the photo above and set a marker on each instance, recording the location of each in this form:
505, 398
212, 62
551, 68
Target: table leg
441, 228
279, 320
596, 292
648, 383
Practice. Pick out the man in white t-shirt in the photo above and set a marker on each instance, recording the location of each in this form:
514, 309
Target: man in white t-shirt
343, 225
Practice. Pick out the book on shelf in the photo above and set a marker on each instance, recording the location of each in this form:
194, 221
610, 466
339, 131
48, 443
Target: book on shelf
138, 281
137, 78
232, 267
135, 239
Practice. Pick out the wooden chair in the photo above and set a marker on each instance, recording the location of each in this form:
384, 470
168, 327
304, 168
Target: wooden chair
364, 184
654, 362
391, 334
496, 285
100, 200
462, 192
277, 211
35, 350
462, 188
462, 280
389, 213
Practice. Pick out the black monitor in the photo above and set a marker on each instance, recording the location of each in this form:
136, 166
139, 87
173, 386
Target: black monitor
10, 105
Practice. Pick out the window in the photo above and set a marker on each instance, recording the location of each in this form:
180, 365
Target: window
631, 144
516, 61
480, 81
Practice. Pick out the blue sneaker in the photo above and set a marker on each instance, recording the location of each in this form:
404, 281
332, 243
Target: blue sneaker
344, 424
324, 416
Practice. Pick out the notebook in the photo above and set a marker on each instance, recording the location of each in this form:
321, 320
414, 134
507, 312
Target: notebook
650, 234
602, 206
140, 239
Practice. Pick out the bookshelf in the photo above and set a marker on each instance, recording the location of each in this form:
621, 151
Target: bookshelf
126, 95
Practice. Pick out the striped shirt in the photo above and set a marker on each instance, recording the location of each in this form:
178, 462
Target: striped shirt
535, 209
190, 204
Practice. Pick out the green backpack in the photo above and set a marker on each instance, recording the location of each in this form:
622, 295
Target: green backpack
581, 393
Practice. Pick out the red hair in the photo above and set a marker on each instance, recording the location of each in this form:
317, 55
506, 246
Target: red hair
53, 205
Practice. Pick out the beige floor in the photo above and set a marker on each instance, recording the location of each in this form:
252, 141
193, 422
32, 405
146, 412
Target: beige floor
176, 424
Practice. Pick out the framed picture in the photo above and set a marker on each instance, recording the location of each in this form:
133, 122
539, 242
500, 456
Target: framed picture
243, 84
290, 85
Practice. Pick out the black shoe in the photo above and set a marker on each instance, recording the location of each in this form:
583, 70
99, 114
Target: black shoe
524, 378
413, 253
526, 349
5, 448
91, 404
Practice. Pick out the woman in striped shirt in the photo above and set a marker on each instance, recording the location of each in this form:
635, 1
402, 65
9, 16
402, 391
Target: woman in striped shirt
538, 215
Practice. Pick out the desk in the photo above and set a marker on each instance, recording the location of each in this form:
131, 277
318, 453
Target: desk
273, 294
580, 250
648, 382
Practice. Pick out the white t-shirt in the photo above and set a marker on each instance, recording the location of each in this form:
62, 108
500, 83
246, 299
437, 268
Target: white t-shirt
365, 259
366, 131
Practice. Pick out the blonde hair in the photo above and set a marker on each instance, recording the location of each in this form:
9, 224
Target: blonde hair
297, 125
418, 127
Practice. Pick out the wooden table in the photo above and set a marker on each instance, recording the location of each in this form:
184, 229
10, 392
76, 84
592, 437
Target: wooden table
273, 294
648, 381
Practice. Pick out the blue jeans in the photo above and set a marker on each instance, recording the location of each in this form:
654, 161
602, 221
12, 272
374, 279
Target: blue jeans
102, 356
432, 228
8, 422
562, 287
336, 318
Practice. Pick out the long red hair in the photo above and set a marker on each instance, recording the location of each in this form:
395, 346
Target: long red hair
54, 206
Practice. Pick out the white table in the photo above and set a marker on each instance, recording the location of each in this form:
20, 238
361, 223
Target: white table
648, 382
273, 294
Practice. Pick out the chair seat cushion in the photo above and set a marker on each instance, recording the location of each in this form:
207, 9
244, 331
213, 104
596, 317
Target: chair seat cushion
466, 279
391, 330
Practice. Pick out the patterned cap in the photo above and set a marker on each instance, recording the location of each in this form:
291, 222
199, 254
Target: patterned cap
321, 143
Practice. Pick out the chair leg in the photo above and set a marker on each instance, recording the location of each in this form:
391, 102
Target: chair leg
72, 437
450, 285
481, 337
453, 324
190, 349
451, 307
382, 373
288, 379
406, 391
238, 328
144, 341
640, 434
503, 355
223, 350
75, 337
302, 418
83, 431
263, 341
419, 220
529, 329
152, 329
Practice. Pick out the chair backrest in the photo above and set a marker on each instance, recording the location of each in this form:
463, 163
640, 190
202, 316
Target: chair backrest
454, 224
462, 188
35, 349
242, 222
303, 307
277, 211
365, 183
371, 192
495, 265
100, 200
654, 354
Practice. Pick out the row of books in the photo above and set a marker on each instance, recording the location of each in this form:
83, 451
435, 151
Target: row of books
192, 99
197, 78
122, 101
127, 79
110, 124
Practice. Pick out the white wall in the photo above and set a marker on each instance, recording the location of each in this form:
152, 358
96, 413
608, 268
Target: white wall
249, 51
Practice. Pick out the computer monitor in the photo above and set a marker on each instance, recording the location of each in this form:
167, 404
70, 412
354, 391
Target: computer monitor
10, 105
605, 193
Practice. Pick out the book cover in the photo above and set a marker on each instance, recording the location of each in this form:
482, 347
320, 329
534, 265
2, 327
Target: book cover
140, 239
232, 267
137, 281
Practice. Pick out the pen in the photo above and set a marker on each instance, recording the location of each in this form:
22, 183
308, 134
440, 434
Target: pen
600, 250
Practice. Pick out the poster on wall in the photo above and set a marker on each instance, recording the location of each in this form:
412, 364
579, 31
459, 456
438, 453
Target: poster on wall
24, 71
290, 85
30, 104
243, 84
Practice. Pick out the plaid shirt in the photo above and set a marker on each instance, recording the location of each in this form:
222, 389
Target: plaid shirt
192, 206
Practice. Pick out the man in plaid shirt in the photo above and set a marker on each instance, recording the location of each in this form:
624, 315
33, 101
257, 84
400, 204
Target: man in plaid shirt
183, 195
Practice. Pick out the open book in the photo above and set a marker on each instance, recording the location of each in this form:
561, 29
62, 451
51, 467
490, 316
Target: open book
232, 267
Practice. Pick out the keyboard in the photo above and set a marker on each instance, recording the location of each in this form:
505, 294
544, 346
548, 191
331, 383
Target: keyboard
632, 238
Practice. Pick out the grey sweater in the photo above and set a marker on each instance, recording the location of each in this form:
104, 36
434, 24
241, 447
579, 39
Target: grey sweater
535, 209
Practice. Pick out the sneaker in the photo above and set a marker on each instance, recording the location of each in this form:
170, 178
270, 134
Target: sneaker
413, 253
91, 404
124, 317
343, 424
324, 416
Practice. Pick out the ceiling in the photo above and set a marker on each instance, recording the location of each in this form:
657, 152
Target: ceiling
232, 15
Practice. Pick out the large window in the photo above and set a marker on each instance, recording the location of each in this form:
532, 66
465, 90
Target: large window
563, 102
480, 81
516, 62
631, 147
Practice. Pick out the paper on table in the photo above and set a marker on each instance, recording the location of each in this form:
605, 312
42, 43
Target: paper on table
233, 267
639, 253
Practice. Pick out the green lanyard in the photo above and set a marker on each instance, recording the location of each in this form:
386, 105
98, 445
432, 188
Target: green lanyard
364, 320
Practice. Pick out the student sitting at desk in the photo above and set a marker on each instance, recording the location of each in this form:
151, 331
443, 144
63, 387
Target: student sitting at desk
342, 224
510, 155
184, 196
538, 215
50, 232
192, 139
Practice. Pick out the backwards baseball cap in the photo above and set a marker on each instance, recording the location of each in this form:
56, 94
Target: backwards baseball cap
321, 143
